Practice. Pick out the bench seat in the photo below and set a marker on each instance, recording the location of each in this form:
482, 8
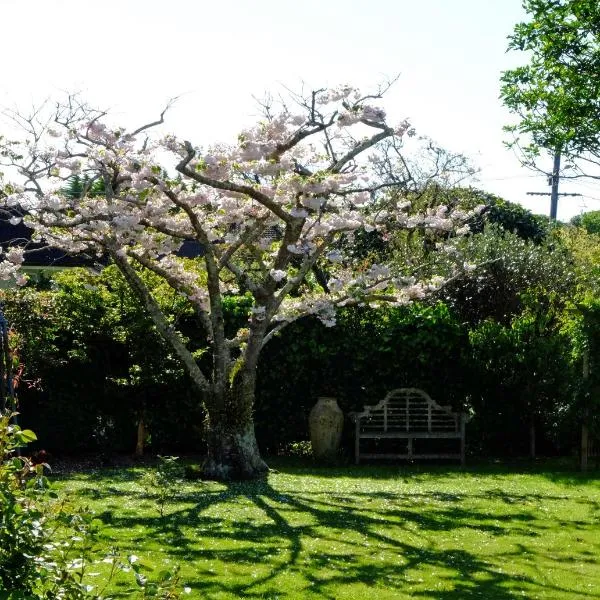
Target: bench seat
409, 414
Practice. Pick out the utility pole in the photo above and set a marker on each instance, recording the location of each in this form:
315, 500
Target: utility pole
553, 180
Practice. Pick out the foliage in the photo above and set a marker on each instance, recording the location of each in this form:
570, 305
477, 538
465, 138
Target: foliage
512, 217
502, 267
523, 375
162, 481
584, 251
590, 221
89, 338
509, 216
81, 187
44, 544
557, 94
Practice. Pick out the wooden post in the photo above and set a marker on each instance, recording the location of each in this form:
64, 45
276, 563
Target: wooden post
141, 437
532, 438
462, 439
584, 427
357, 441
584, 447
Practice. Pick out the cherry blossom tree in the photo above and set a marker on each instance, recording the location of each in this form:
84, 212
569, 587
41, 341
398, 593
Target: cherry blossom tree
268, 210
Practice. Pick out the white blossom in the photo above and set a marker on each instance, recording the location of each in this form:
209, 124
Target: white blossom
277, 274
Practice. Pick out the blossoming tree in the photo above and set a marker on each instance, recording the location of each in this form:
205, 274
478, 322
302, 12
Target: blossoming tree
266, 211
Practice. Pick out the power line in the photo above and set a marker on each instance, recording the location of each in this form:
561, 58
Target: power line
554, 180
551, 193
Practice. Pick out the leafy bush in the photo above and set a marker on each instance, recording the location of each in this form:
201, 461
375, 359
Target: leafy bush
46, 544
42, 542
506, 267
91, 353
524, 378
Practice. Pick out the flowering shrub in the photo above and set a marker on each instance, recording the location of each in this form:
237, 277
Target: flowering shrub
46, 544
43, 543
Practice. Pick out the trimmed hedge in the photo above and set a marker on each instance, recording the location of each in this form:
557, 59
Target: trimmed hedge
100, 365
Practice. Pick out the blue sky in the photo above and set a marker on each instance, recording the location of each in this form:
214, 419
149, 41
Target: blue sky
132, 56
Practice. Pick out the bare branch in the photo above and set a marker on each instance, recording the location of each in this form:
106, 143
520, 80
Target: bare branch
159, 121
360, 148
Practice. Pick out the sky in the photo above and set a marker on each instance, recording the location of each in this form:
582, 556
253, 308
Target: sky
132, 56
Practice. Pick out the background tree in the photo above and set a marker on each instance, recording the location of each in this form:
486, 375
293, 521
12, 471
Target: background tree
265, 210
590, 221
557, 94
509, 267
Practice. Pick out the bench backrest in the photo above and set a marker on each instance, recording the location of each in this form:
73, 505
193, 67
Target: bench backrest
408, 410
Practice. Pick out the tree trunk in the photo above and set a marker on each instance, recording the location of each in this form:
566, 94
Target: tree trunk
532, 438
233, 452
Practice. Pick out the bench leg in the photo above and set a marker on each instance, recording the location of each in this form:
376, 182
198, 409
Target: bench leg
410, 448
357, 444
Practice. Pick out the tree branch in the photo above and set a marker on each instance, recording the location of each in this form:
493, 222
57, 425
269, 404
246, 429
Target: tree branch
175, 284
246, 190
360, 148
160, 321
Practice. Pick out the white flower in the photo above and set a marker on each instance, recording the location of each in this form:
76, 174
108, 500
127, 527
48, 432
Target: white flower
373, 113
335, 285
313, 203
334, 256
277, 274
15, 220
133, 559
15, 256
259, 312
298, 212
187, 590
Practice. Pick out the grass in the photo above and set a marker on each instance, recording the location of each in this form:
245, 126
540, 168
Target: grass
361, 532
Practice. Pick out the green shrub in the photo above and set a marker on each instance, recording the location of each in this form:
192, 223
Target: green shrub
161, 483
46, 545
43, 545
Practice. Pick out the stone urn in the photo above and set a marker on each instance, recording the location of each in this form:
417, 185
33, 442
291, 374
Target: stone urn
325, 423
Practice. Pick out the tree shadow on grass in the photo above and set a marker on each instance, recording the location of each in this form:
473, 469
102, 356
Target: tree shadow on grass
320, 539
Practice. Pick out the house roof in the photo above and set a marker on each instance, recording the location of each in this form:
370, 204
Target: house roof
41, 255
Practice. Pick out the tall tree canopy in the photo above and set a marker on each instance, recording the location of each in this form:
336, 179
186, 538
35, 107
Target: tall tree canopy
557, 94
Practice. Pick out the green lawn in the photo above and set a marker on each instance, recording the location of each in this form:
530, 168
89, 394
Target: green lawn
368, 532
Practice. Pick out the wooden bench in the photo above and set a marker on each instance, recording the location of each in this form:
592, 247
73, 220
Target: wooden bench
409, 414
